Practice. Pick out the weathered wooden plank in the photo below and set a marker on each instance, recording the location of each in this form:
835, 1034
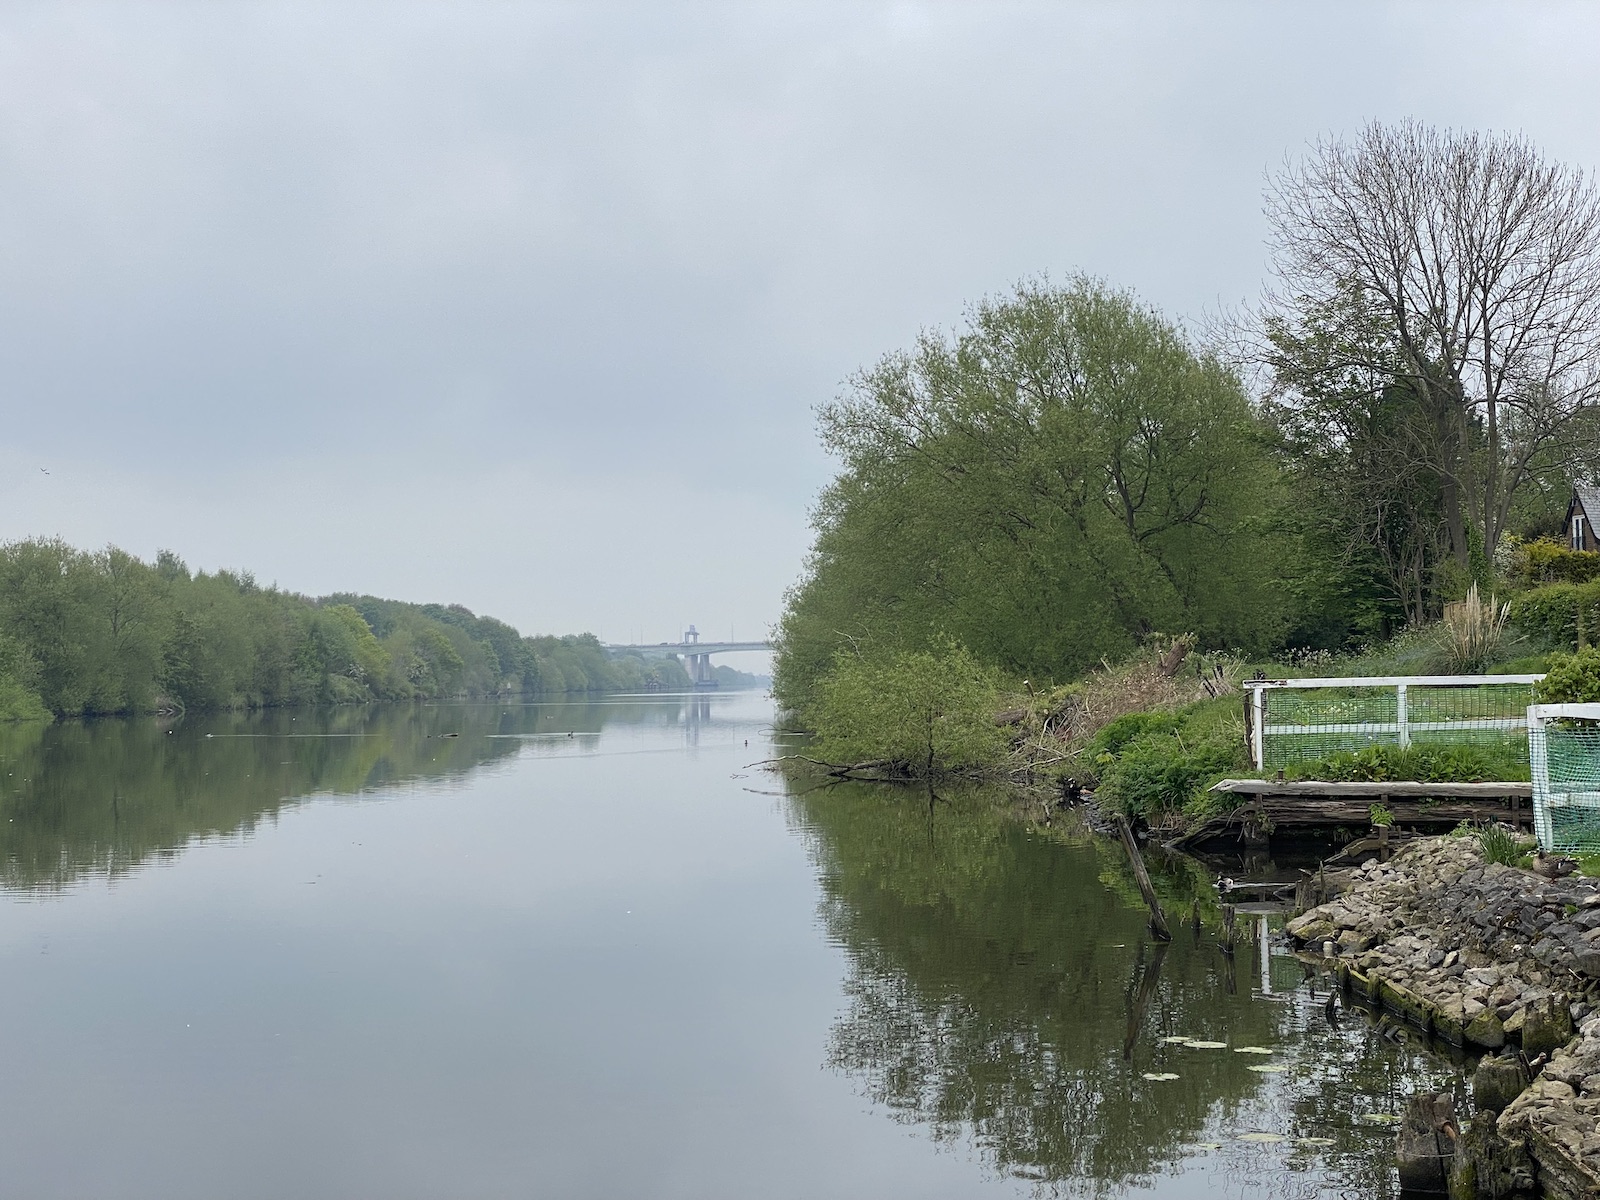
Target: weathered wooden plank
1313, 788
1280, 814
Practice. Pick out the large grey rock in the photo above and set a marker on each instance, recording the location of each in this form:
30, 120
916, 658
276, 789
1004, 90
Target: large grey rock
1546, 1024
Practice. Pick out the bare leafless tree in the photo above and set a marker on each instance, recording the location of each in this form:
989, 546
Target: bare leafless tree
1483, 259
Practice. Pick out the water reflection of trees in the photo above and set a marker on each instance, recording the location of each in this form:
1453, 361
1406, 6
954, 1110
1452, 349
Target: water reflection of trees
1000, 990
101, 797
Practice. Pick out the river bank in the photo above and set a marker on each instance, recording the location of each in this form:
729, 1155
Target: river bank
1497, 959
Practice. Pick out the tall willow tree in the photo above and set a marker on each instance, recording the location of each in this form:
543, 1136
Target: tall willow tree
1063, 476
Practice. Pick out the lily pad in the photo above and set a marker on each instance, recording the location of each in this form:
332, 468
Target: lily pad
1262, 1137
1159, 1076
1179, 1039
1379, 1118
1208, 1145
1253, 1050
1267, 1068
1314, 1142
1193, 1045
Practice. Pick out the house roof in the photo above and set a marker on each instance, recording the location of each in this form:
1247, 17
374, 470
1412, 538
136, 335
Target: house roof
1589, 497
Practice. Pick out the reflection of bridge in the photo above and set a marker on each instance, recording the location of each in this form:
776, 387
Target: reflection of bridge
696, 654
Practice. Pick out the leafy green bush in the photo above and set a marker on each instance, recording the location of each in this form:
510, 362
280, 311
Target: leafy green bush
1156, 762
1571, 679
923, 712
1544, 561
1159, 772
1115, 736
1559, 612
1416, 764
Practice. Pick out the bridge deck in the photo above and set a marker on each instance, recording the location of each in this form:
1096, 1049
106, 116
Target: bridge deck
691, 648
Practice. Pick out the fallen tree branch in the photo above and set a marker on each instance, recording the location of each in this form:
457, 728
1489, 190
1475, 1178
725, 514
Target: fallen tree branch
840, 770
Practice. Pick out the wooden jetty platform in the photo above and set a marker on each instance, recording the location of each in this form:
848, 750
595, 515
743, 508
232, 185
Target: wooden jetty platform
1271, 807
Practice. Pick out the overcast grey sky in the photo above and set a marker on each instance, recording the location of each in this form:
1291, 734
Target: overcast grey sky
528, 307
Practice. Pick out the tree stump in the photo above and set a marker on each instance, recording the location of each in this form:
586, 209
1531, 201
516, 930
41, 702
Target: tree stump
1497, 1082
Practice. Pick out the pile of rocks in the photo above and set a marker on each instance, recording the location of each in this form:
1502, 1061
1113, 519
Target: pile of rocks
1483, 954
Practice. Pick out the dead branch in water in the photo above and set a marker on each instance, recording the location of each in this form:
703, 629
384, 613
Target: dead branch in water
843, 770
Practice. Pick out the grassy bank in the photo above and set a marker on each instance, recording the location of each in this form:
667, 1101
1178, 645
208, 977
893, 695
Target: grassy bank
1151, 734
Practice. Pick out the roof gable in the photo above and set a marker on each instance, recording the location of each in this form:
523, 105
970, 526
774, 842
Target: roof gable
1588, 495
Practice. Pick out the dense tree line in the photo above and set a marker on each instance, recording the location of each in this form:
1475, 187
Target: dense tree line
1070, 472
85, 632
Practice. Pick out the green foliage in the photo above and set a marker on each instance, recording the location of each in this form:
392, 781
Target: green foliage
1415, 764
1115, 737
1544, 561
1063, 476
731, 678
1571, 679
926, 712
1349, 423
1499, 845
103, 632
1563, 614
1154, 763
19, 698
1380, 816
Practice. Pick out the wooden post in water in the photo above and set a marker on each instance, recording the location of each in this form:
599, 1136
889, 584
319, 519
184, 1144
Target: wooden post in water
1158, 920
1227, 930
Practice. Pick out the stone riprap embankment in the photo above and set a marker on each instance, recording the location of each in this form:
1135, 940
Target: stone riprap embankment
1495, 958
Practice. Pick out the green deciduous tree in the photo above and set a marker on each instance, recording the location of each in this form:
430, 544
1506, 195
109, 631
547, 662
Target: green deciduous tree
925, 712
1064, 476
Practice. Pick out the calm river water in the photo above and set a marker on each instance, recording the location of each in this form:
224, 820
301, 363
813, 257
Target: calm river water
585, 950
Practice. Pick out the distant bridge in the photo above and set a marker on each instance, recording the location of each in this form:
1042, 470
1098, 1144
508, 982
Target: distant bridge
695, 653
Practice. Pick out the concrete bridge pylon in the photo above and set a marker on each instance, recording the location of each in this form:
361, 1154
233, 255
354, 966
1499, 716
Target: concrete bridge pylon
696, 654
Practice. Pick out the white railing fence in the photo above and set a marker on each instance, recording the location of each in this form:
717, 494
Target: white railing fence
1291, 720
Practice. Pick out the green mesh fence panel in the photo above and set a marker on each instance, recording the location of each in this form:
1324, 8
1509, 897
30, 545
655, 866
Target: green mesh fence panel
1564, 755
1303, 723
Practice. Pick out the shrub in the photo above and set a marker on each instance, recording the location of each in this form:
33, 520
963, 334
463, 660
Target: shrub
1544, 561
1118, 733
1571, 679
924, 712
19, 697
1159, 772
1565, 614
1416, 764
1154, 763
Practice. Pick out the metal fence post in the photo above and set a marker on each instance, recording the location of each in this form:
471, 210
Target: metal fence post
1260, 730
